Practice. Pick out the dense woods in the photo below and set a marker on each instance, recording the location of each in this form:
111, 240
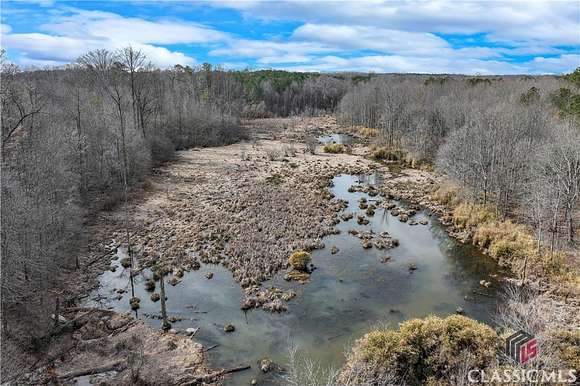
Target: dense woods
76, 136
76, 139
513, 141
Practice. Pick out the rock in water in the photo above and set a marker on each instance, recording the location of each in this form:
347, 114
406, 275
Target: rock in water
229, 328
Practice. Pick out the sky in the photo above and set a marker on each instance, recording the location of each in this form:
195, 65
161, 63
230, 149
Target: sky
467, 37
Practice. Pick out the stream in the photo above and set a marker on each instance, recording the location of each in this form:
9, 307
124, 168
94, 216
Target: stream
348, 293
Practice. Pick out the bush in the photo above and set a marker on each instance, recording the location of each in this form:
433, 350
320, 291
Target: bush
333, 148
424, 351
299, 260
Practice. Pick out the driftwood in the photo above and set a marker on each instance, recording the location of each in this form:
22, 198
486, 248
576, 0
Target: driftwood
89, 309
482, 294
211, 348
113, 366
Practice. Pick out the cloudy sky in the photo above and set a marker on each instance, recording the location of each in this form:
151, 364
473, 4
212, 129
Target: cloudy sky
470, 37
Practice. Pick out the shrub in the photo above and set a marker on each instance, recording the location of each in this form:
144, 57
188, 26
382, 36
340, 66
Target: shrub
299, 260
333, 148
425, 350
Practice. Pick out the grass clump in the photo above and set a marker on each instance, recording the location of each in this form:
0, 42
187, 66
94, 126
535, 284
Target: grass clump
299, 276
505, 240
333, 148
368, 132
299, 260
424, 351
447, 194
388, 154
468, 215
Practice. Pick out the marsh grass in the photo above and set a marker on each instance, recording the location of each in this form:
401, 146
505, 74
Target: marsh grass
512, 245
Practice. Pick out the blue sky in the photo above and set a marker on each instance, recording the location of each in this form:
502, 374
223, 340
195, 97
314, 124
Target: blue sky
471, 37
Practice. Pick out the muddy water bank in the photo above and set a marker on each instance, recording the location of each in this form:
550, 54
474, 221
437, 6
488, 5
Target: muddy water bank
348, 292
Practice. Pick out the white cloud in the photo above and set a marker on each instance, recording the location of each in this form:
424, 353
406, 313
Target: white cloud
553, 22
372, 38
265, 48
381, 36
557, 65
43, 49
65, 38
5, 28
111, 26
441, 65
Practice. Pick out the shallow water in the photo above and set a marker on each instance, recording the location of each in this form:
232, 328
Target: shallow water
341, 139
348, 293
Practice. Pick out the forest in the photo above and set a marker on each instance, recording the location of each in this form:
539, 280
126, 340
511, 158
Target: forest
93, 130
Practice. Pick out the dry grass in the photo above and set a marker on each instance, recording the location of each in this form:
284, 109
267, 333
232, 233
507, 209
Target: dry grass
568, 347
367, 132
447, 194
387, 154
468, 215
512, 245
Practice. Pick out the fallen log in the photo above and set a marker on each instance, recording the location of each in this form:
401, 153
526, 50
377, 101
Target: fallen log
113, 366
211, 348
